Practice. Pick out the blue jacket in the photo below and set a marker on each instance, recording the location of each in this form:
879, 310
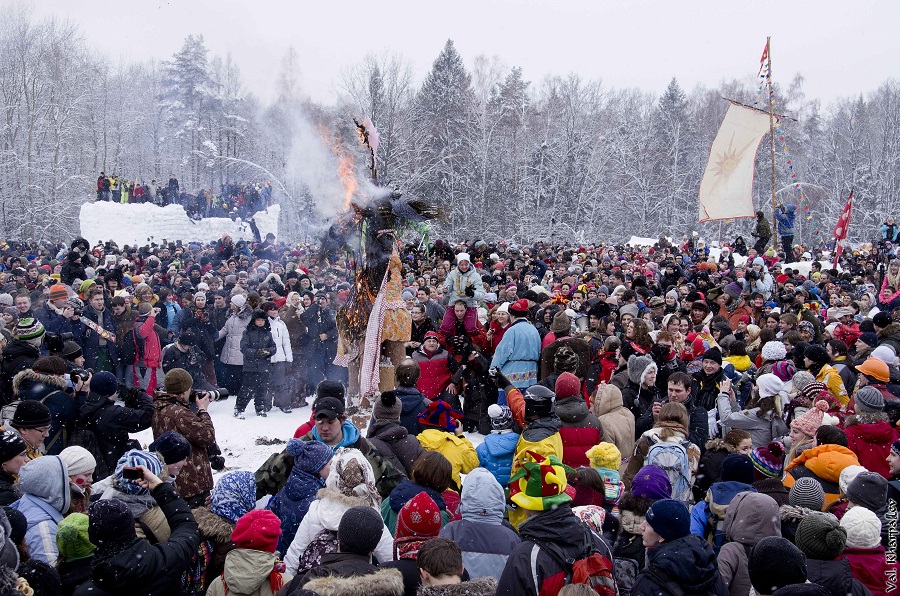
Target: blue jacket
292, 502
496, 454
413, 402
45, 484
785, 217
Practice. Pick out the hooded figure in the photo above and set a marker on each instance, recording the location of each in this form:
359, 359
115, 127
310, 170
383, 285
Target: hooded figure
46, 498
618, 421
483, 538
750, 518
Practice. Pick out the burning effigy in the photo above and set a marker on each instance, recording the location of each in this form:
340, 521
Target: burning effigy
373, 324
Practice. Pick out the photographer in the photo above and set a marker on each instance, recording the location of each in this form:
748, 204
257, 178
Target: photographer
20, 353
173, 412
111, 424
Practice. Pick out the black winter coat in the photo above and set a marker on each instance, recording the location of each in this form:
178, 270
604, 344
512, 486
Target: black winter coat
9, 491
144, 568
395, 444
17, 356
684, 566
255, 339
835, 576
112, 424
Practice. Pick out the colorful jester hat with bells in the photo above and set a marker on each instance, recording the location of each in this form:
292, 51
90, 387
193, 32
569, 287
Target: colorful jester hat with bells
540, 484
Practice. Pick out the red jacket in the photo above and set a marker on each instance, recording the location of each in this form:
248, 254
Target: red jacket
869, 566
435, 369
152, 347
869, 436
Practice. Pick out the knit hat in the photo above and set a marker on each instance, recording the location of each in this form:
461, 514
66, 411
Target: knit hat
259, 529
419, 517
784, 370
360, 530
144, 309
801, 379
885, 353
768, 460
875, 368
651, 482
31, 413
869, 399
40, 577
71, 351
868, 490
714, 354
178, 381
78, 460
670, 519
567, 385
6, 299
501, 417
774, 351
820, 537
895, 447
816, 353
387, 407
239, 300
133, 458
58, 292
737, 467
561, 323
309, 456
604, 455
72, 537
11, 445
628, 309
233, 495
110, 526
18, 524
637, 367
811, 420
565, 360
733, 289
847, 476
540, 483
881, 319
807, 492
863, 528
775, 562
104, 383
870, 338
519, 308
440, 414
28, 328
172, 446
769, 385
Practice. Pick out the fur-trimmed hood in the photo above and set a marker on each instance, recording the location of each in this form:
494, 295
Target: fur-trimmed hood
866, 418
213, 527
791, 513
384, 582
31, 380
483, 586
719, 445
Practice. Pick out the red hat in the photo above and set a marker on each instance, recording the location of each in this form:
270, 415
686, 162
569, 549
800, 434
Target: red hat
259, 529
58, 291
432, 334
519, 307
567, 385
440, 414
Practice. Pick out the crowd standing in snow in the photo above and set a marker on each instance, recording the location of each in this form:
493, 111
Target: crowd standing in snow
655, 421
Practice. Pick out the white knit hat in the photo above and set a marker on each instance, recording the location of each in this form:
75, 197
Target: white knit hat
463, 256
847, 476
774, 351
78, 460
885, 353
769, 385
863, 528
503, 307
239, 300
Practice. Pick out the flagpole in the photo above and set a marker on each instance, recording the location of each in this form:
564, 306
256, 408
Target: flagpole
772, 139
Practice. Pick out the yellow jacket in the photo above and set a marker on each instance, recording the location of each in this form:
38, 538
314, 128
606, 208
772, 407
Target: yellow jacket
832, 379
458, 450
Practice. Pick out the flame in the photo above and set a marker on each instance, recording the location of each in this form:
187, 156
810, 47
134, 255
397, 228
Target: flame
348, 179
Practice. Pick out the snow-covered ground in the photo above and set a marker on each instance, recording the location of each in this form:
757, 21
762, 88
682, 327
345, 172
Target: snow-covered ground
244, 442
145, 223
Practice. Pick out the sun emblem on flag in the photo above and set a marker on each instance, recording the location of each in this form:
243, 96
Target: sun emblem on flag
727, 161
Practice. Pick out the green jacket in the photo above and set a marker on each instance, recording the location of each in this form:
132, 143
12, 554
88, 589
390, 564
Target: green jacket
272, 475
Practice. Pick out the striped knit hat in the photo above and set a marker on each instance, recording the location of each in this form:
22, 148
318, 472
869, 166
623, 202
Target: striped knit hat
807, 492
768, 461
29, 328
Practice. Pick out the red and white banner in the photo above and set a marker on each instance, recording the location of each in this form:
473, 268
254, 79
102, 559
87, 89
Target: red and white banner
840, 229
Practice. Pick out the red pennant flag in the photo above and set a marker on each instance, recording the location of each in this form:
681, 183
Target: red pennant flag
763, 58
840, 229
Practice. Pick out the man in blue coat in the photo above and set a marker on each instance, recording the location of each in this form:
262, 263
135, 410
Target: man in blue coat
785, 216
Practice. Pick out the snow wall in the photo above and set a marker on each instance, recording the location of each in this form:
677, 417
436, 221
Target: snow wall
145, 223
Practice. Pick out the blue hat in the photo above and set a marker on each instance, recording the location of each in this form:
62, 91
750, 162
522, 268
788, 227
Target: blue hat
172, 446
309, 456
234, 495
133, 458
104, 383
737, 468
670, 519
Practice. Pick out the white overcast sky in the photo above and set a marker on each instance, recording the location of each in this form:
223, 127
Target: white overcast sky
842, 48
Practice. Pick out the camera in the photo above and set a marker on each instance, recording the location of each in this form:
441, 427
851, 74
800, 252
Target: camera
214, 394
131, 473
80, 375
56, 342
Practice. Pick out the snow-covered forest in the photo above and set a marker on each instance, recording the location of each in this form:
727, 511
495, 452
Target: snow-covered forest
559, 158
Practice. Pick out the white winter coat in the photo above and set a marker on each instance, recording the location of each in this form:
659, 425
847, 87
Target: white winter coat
233, 331
282, 340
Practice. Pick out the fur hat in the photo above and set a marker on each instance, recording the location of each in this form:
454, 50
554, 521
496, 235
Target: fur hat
638, 367
604, 455
259, 529
774, 351
863, 528
561, 323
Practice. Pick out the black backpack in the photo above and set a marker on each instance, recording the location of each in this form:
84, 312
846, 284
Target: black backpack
132, 348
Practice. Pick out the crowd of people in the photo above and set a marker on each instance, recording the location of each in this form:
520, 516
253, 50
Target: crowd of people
593, 419
233, 200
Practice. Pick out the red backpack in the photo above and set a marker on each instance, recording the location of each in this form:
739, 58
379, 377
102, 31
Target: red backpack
594, 569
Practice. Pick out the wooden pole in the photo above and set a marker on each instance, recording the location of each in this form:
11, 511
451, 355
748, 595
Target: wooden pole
772, 140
